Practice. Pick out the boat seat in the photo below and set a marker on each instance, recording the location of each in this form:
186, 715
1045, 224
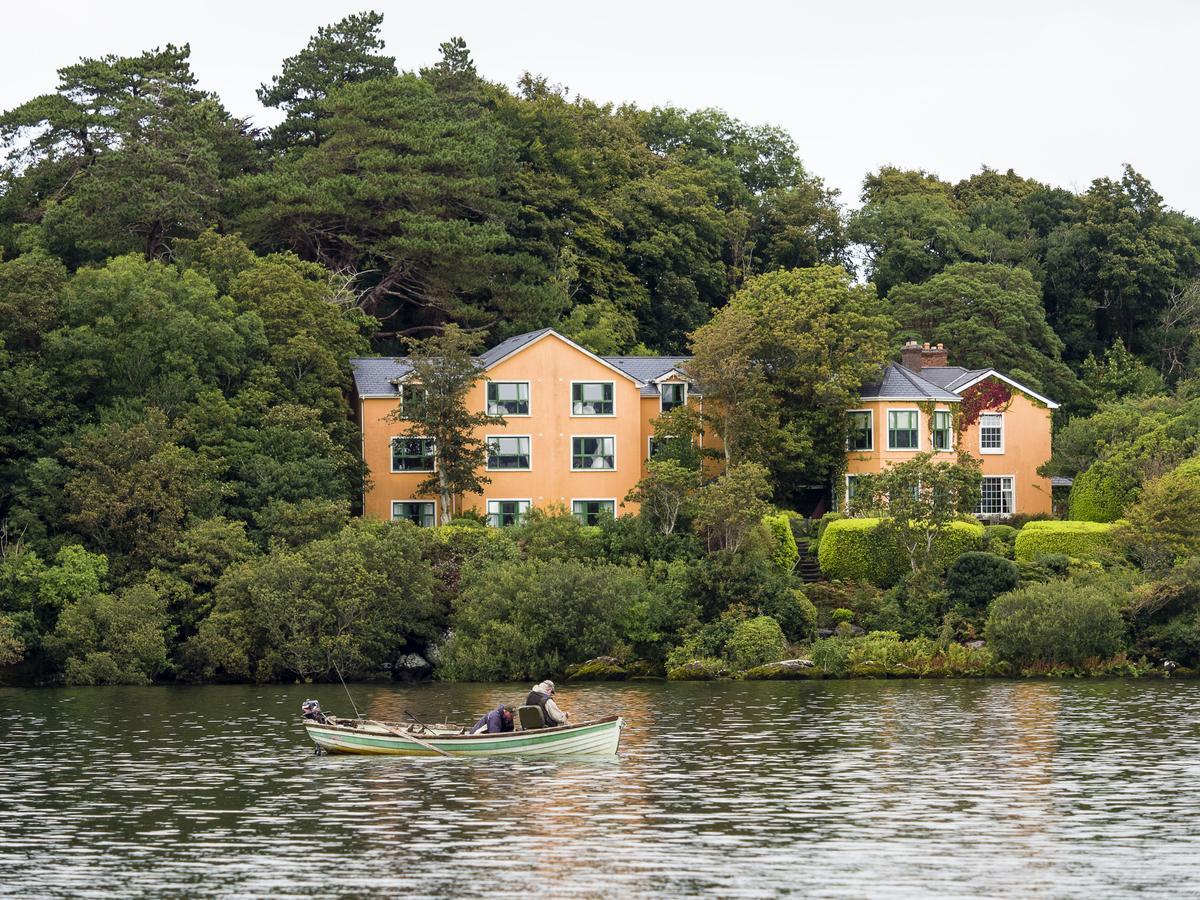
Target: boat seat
530, 717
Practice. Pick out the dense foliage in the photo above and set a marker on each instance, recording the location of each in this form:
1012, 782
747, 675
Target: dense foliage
180, 294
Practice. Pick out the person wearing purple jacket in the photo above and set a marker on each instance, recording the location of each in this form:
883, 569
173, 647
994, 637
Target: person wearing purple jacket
499, 719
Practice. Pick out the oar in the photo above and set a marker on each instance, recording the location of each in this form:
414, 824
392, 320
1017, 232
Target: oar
408, 736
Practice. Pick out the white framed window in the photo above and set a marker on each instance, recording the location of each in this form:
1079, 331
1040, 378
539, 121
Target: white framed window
593, 398
671, 395
851, 490
412, 454
996, 496
506, 513
591, 512
412, 398
862, 432
508, 398
509, 452
991, 433
419, 512
653, 445
941, 431
593, 453
904, 432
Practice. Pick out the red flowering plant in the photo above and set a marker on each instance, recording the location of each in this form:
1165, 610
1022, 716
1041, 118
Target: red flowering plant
991, 393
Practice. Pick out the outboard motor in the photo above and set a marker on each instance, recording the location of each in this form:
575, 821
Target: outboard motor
312, 711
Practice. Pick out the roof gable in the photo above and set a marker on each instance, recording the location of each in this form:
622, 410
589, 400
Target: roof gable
521, 342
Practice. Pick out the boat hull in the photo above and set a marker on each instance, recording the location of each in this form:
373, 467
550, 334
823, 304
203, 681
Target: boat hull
598, 738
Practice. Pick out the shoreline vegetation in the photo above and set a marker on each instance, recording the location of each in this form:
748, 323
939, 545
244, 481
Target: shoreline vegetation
180, 472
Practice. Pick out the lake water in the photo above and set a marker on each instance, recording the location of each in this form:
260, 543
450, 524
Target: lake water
867, 788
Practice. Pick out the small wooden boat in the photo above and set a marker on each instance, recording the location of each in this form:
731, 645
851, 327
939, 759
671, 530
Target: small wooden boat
598, 737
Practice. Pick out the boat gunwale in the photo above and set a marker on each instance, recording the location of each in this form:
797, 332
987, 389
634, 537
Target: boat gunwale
439, 738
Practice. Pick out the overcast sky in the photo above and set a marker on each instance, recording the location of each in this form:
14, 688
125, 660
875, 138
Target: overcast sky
1061, 91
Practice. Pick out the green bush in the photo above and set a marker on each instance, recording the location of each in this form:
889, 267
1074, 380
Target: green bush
860, 597
815, 544
1080, 540
105, 639
754, 642
519, 621
858, 550
1101, 493
784, 553
794, 612
999, 539
885, 654
1061, 623
1164, 616
913, 608
976, 579
841, 615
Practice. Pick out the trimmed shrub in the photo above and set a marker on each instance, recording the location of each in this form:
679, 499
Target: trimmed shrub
755, 642
815, 544
1081, 540
1063, 623
999, 539
976, 579
1100, 494
784, 552
858, 550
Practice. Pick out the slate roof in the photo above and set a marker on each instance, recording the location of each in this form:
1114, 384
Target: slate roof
900, 383
375, 376
950, 377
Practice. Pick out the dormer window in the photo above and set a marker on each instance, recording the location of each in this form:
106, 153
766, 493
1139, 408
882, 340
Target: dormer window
673, 394
413, 398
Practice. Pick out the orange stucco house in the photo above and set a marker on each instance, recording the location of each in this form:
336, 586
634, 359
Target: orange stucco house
576, 432
911, 410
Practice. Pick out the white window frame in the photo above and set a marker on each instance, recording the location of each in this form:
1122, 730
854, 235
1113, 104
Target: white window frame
992, 451
870, 418
528, 394
612, 500
911, 409
850, 476
392, 454
662, 384
488, 507
611, 437
432, 503
1013, 480
571, 400
949, 431
492, 437
400, 390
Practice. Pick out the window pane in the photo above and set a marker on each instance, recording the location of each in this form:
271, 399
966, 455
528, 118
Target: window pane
505, 513
941, 430
508, 453
996, 497
418, 512
412, 398
593, 453
902, 430
508, 398
991, 432
592, 398
673, 395
860, 431
412, 455
591, 512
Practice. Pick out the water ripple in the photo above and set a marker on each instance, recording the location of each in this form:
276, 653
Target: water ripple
837, 789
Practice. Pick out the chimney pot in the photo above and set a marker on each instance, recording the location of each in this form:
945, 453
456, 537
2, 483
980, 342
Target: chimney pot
932, 357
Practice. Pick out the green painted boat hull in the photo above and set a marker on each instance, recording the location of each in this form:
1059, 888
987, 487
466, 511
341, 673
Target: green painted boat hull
598, 738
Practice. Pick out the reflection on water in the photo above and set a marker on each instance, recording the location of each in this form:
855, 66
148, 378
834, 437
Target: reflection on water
837, 788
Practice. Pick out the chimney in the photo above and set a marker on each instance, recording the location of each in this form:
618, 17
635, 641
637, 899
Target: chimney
933, 356
910, 356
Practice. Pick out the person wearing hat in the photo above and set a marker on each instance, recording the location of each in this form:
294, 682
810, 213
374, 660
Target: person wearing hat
543, 695
499, 719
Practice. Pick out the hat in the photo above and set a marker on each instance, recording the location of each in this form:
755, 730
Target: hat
546, 687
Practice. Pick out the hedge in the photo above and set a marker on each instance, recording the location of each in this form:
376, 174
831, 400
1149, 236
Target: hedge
858, 550
1081, 540
784, 552
1100, 494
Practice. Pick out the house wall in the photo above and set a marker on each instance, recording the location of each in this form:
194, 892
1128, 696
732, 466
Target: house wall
549, 365
1027, 430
